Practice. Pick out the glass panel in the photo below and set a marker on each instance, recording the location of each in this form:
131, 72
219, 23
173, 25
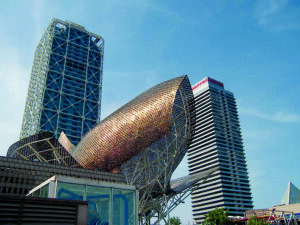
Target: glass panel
99, 200
70, 191
36, 193
123, 207
44, 191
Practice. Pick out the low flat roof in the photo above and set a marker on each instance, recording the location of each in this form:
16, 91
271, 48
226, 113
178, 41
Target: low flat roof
74, 180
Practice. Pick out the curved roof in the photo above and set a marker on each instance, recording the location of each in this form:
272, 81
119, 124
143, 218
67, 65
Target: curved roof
42, 147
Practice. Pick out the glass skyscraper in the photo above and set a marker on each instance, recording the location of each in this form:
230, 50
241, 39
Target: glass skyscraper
66, 81
217, 142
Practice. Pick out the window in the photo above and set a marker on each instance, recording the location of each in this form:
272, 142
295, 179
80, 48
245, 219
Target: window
70, 191
99, 200
123, 207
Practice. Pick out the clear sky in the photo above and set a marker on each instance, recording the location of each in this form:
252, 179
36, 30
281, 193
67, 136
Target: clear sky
253, 47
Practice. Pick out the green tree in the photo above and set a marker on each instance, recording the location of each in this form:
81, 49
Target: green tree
174, 221
218, 216
254, 221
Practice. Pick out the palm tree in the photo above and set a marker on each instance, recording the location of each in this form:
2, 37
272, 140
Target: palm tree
174, 221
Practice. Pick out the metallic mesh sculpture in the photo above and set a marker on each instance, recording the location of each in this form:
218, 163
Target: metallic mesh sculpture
135, 126
144, 140
152, 168
42, 147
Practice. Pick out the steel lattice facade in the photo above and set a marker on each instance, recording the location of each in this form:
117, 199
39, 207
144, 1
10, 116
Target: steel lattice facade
42, 147
218, 142
66, 81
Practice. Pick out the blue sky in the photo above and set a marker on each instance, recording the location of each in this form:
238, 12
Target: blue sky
253, 47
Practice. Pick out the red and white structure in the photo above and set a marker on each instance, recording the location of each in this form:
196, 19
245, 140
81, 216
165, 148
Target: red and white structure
218, 141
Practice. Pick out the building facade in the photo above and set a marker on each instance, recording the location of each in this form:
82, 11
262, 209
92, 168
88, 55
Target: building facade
108, 203
66, 81
17, 209
19, 176
217, 141
107, 194
291, 195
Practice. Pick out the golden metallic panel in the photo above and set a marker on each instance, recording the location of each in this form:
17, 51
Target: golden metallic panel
130, 129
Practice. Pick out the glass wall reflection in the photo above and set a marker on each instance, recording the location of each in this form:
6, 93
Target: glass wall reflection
106, 205
99, 200
71, 191
123, 207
